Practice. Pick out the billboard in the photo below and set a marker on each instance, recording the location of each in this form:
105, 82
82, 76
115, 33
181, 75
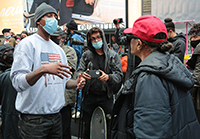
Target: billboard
84, 12
178, 10
11, 15
134, 11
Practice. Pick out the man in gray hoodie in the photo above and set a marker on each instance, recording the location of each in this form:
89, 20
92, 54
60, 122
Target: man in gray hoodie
98, 91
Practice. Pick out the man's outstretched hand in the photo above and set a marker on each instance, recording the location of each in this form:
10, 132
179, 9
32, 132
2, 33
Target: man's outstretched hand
57, 69
80, 82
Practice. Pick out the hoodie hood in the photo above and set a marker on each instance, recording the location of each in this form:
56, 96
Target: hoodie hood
105, 46
168, 67
178, 36
3, 49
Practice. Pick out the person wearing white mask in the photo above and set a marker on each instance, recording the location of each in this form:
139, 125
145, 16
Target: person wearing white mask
40, 74
7, 37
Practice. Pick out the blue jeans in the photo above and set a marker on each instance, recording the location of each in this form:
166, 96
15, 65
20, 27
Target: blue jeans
79, 101
47, 126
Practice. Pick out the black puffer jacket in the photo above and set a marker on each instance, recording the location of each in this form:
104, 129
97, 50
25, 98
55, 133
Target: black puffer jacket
162, 106
179, 43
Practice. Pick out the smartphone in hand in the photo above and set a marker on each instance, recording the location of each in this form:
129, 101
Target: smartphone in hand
94, 73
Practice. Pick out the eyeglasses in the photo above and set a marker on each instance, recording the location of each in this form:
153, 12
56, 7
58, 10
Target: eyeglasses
97, 38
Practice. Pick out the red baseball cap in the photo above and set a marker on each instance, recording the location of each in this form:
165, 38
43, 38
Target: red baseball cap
148, 28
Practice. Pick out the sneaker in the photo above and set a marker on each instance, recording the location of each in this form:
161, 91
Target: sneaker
77, 115
73, 111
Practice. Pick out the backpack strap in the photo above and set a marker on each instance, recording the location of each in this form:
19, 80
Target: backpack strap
133, 89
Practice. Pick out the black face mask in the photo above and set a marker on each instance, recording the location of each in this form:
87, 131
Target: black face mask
194, 43
8, 57
56, 40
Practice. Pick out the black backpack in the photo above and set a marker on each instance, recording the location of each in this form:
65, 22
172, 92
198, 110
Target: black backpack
123, 115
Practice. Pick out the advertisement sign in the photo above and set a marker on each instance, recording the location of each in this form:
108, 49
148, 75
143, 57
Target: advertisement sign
134, 11
92, 12
11, 15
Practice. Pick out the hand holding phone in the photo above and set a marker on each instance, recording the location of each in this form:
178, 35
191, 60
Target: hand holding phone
94, 73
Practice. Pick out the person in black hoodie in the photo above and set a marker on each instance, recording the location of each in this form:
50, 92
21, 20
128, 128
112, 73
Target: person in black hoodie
99, 91
194, 64
3, 49
178, 40
8, 95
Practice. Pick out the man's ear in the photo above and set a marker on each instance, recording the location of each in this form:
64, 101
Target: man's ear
140, 43
40, 21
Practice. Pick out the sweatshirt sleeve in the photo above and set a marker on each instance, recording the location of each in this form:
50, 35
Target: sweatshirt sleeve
82, 65
22, 65
152, 118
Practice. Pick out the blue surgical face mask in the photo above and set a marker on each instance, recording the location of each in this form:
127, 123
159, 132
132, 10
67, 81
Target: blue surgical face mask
50, 25
7, 37
97, 45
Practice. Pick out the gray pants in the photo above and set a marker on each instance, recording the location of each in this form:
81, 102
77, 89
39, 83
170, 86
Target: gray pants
40, 126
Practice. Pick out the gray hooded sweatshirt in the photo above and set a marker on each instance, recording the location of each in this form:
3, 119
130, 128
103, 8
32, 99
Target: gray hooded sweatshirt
112, 67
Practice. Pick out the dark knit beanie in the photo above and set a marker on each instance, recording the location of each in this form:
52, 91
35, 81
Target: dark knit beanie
58, 32
42, 10
72, 25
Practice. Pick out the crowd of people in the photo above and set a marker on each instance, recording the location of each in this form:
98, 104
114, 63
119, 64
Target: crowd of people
148, 92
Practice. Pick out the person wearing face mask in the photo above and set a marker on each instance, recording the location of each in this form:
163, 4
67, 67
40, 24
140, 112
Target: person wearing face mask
98, 91
178, 40
194, 64
40, 73
71, 28
69, 93
7, 37
10, 115
56, 36
7, 57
